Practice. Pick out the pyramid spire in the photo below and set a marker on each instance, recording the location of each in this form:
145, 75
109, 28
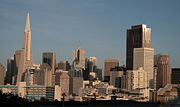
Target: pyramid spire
27, 26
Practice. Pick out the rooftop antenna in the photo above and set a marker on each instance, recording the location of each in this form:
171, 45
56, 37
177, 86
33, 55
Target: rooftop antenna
79, 44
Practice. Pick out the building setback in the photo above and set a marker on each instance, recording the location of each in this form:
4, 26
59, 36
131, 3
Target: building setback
139, 36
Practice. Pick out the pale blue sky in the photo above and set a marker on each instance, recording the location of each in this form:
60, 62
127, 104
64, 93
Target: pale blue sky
99, 25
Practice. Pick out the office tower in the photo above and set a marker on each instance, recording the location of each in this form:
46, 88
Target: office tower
47, 75
77, 83
10, 70
62, 79
108, 64
38, 76
139, 36
64, 65
49, 58
79, 59
92, 64
144, 57
137, 79
17, 56
25, 60
117, 77
2, 69
175, 76
163, 70
99, 73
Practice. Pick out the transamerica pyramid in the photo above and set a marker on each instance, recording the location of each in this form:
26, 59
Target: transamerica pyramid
26, 60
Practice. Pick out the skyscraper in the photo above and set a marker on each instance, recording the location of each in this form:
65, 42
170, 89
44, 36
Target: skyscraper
175, 77
116, 77
99, 73
62, 79
79, 59
139, 36
144, 57
136, 79
39, 76
2, 69
92, 64
64, 65
10, 70
108, 64
26, 59
163, 70
49, 58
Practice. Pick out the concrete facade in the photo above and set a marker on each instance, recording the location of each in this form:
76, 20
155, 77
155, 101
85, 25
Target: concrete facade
79, 59
144, 57
108, 64
163, 70
49, 58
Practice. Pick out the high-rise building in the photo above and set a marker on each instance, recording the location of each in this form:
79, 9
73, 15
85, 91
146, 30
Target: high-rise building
39, 76
99, 73
76, 84
108, 64
64, 65
163, 70
117, 77
79, 59
92, 64
49, 58
10, 70
2, 69
62, 79
175, 76
25, 60
144, 57
137, 84
136, 79
139, 36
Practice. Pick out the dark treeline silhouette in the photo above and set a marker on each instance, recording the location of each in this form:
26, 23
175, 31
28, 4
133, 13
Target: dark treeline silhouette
14, 100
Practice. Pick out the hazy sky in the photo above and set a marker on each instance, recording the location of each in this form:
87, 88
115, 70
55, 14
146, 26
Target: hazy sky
99, 25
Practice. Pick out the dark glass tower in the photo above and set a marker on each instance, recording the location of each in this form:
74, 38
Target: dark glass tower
139, 36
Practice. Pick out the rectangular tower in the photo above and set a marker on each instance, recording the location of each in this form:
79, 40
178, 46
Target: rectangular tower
2, 69
79, 59
139, 36
163, 70
108, 64
144, 57
50, 59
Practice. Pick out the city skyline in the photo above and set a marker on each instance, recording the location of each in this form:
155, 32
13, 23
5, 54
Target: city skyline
95, 36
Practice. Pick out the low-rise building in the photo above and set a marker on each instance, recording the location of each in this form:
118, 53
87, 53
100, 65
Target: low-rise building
33, 92
168, 94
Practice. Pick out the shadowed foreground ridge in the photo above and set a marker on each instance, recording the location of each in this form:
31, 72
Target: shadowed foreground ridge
10, 99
